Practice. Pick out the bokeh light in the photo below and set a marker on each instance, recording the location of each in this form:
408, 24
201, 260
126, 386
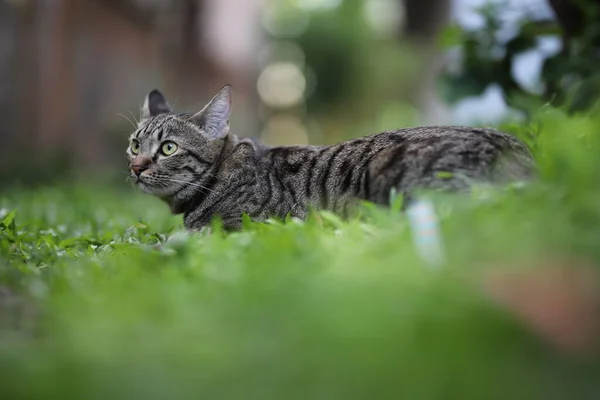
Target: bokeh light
281, 85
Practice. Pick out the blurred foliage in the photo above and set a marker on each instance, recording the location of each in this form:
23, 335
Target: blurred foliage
569, 78
52, 166
359, 82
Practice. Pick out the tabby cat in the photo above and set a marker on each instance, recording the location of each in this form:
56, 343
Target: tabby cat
201, 170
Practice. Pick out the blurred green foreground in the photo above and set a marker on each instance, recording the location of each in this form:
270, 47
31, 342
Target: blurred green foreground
317, 310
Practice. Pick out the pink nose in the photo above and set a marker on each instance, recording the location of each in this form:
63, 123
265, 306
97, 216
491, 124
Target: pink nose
140, 164
138, 169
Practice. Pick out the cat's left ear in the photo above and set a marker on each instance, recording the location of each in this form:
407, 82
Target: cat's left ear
155, 104
214, 117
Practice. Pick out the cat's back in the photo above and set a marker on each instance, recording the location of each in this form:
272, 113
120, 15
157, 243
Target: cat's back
418, 155
369, 167
435, 135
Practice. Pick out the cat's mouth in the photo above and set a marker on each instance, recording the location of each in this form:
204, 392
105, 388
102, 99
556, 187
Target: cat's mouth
145, 187
141, 184
149, 184
150, 187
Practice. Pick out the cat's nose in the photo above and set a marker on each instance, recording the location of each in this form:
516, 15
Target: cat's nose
140, 164
138, 169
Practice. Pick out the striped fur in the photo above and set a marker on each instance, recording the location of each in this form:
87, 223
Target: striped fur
215, 173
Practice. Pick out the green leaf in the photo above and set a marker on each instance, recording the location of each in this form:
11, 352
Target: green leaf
456, 88
332, 218
445, 175
451, 36
129, 233
246, 221
9, 218
396, 200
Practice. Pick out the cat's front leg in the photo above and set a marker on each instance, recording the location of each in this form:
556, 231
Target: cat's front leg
232, 224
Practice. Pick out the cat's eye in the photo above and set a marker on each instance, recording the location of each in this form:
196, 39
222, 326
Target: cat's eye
135, 146
168, 148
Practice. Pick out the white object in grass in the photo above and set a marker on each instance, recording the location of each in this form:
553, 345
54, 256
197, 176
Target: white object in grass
426, 232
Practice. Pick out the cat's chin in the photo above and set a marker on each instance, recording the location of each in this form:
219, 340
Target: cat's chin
144, 187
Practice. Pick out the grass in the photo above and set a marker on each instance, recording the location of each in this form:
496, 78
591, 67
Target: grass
320, 309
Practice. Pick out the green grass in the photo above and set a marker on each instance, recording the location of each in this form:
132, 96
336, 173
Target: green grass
317, 310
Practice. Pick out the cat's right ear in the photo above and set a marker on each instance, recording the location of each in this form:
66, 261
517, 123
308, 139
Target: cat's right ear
214, 117
154, 104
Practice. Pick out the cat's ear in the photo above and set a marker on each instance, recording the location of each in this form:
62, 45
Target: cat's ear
155, 104
214, 117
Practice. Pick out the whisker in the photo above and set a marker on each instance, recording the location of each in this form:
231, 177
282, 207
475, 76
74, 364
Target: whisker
130, 121
174, 103
133, 116
192, 184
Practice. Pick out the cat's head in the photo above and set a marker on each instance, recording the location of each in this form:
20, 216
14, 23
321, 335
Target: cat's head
171, 155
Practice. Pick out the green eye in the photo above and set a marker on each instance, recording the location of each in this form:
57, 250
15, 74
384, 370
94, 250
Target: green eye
169, 148
135, 146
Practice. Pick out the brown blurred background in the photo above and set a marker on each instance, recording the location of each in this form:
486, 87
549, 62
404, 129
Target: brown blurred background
73, 72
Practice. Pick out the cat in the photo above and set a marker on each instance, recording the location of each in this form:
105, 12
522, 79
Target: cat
193, 163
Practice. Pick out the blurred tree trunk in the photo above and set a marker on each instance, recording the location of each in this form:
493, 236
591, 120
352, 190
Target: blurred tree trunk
21, 82
190, 31
425, 18
182, 50
55, 73
8, 26
579, 21
574, 16
423, 24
